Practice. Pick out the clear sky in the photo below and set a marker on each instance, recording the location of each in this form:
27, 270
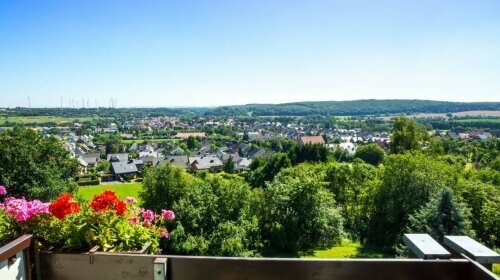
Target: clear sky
210, 52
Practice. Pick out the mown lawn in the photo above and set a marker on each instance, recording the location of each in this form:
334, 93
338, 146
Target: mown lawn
348, 250
121, 190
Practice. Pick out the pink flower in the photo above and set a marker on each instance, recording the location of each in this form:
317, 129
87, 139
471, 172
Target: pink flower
148, 215
3, 190
164, 233
147, 223
22, 210
168, 214
130, 200
133, 220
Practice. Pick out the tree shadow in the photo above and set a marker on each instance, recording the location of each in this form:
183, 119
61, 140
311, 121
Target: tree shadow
368, 251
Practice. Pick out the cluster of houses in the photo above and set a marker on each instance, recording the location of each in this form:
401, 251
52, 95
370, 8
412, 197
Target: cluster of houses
474, 135
211, 158
155, 154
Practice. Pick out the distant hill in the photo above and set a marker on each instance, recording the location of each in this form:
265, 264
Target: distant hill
355, 107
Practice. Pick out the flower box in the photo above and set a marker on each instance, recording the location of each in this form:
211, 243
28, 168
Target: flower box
144, 250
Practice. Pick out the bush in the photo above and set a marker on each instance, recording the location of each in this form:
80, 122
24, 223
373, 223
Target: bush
89, 183
217, 218
300, 212
370, 153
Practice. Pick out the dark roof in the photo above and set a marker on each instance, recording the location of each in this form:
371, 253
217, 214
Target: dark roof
180, 161
123, 167
154, 161
117, 157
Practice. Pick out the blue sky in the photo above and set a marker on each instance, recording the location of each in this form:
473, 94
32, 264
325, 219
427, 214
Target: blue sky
206, 53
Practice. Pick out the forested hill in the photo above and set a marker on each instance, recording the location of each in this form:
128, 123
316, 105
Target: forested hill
355, 107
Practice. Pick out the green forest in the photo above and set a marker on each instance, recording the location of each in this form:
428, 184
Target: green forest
353, 108
321, 108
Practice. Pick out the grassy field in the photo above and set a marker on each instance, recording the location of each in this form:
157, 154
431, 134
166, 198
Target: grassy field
121, 190
42, 119
496, 269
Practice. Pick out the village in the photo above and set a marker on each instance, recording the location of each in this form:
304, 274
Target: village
195, 145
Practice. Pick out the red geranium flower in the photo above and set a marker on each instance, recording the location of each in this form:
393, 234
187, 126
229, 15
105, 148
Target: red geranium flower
108, 201
63, 206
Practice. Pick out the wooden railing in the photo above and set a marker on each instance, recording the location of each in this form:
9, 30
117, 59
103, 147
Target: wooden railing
15, 260
99, 266
104, 266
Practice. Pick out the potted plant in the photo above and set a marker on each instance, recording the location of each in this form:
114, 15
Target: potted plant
67, 225
105, 224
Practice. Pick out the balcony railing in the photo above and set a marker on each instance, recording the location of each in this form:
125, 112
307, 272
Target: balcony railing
98, 265
122, 266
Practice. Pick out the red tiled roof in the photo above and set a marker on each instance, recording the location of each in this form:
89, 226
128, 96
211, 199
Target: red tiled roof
312, 140
187, 134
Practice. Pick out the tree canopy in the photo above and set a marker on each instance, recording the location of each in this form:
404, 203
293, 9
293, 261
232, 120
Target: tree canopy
370, 153
34, 166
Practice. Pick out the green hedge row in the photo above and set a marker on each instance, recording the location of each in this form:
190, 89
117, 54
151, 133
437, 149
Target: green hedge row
89, 183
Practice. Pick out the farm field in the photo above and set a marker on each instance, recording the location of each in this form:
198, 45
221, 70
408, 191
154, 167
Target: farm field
477, 113
495, 120
42, 119
122, 190
472, 114
130, 141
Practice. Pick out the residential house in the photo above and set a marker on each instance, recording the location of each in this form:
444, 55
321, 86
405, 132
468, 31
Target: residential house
123, 169
243, 164
226, 156
209, 162
151, 161
179, 161
117, 157
177, 151
82, 166
91, 159
348, 147
312, 140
